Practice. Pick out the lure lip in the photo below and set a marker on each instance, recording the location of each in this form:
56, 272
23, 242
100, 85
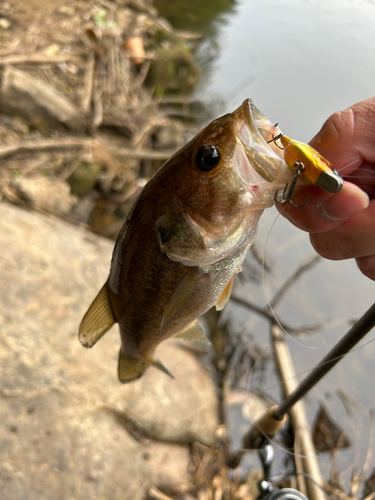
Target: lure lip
331, 182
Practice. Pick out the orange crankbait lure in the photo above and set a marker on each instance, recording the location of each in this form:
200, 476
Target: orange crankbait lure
317, 170
309, 165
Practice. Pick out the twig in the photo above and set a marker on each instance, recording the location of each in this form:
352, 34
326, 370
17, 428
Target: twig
37, 59
143, 72
158, 495
189, 35
358, 479
62, 142
89, 83
267, 314
74, 142
304, 266
259, 310
98, 111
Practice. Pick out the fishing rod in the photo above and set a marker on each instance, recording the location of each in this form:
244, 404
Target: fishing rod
271, 421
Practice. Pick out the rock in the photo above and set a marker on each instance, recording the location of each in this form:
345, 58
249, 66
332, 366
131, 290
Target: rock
60, 431
52, 50
172, 68
38, 102
185, 409
48, 194
83, 178
4, 23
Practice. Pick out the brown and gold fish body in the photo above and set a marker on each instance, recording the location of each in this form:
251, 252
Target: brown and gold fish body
186, 238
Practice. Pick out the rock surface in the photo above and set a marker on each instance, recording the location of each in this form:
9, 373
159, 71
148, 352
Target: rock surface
48, 194
63, 413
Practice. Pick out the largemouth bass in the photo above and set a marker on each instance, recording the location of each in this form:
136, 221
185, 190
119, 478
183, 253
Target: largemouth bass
186, 237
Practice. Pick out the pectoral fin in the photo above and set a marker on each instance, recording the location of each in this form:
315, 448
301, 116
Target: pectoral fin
193, 332
182, 292
98, 319
225, 295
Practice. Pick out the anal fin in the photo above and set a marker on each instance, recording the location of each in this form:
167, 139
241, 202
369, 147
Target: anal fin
98, 319
185, 287
192, 332
225, 295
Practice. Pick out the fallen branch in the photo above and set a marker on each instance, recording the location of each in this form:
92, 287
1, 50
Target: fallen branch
267, 314
38, 59
297, 414
39, 144
81, 142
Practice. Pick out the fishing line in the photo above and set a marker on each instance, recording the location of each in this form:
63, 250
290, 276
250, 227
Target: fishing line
254, 421
318, 335
272, 310
304, 372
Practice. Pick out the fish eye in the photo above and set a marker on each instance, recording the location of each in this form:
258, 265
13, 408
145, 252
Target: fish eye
207, 158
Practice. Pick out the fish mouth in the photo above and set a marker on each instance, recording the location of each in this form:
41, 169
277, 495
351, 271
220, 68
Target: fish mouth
257, 158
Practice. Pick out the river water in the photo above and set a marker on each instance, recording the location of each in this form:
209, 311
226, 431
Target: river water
299, 60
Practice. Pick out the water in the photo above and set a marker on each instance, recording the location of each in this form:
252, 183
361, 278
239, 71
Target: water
300, 61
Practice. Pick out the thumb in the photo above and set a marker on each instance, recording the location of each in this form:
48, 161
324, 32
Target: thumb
323, 211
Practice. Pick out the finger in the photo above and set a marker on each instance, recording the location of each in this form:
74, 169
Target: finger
367, 266
354, 238
363, 177
323, 211
347, 136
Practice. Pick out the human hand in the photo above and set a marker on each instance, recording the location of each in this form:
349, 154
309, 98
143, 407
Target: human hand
342, 226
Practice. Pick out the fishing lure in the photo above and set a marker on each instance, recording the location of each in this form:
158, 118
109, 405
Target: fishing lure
309, 165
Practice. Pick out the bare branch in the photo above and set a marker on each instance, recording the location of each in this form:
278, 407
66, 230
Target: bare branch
304, 266
37, 59
81, 142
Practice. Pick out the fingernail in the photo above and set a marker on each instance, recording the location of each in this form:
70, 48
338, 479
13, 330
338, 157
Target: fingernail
345, 204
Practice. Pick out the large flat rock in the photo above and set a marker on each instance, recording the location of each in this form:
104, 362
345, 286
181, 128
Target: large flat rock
62, 408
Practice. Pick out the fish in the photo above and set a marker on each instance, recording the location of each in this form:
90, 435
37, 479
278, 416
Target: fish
186, 237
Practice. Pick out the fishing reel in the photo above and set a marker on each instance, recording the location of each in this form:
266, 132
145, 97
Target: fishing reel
267, 490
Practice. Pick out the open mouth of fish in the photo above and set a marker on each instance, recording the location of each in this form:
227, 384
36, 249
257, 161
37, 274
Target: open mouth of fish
258, 158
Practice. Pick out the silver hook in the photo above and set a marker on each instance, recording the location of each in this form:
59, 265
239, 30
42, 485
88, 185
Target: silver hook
299, 167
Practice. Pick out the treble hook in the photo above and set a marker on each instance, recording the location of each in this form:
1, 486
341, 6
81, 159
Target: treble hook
275, 138
299, 167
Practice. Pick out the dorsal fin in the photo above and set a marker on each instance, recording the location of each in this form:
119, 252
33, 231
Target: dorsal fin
185, 287
192, 332
98, 319
225, 295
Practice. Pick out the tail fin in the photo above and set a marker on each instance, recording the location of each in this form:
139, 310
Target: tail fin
130, 369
